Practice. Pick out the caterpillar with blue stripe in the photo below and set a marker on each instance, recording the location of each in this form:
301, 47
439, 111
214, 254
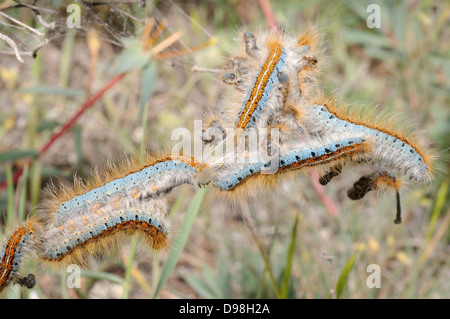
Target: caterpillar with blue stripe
76, 221
271, 62
80, 236
151, 180
295, 159
129, 194
271, 87
395, 152
262, 86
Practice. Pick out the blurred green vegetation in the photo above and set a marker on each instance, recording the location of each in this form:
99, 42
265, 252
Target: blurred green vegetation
281, 245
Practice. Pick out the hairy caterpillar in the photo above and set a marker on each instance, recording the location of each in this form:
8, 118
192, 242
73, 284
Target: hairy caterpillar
128, 197
270, 62
127, 181
68, 243
262, 85
76, 221
293, 159
395, 153
17, 245
290, 65
271, 86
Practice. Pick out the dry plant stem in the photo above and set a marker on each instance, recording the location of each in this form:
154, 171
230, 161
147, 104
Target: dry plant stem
196, 68
94, 47
36, 10
30, 53
16, 200
13, 45
23, 4
44, 23
166, 43
126, 14
435, 240
146, 34
171, 54
153, 36
22, 53
22, 24
35, 51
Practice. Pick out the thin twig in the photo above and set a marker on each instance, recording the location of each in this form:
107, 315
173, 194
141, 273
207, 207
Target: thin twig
24, 4
197, 68
22, 53
37, 12
113, 9
35, 51
44, 23
166, 43
32, 53
13, 45
22, 24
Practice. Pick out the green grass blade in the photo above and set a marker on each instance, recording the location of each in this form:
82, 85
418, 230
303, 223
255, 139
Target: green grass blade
224, 277
102, 275
127, 281
181, 238
16, 154
10, 196
179, 201
343, 277
35, 182
133, 57
21, 211
211, 281
284, 289
201, 287
439, 204
78, 141
63, 284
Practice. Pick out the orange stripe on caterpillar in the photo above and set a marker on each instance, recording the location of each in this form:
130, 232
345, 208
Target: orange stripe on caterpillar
329, 156
73, 241
231, 178
263, 84
395, 152
13, 251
